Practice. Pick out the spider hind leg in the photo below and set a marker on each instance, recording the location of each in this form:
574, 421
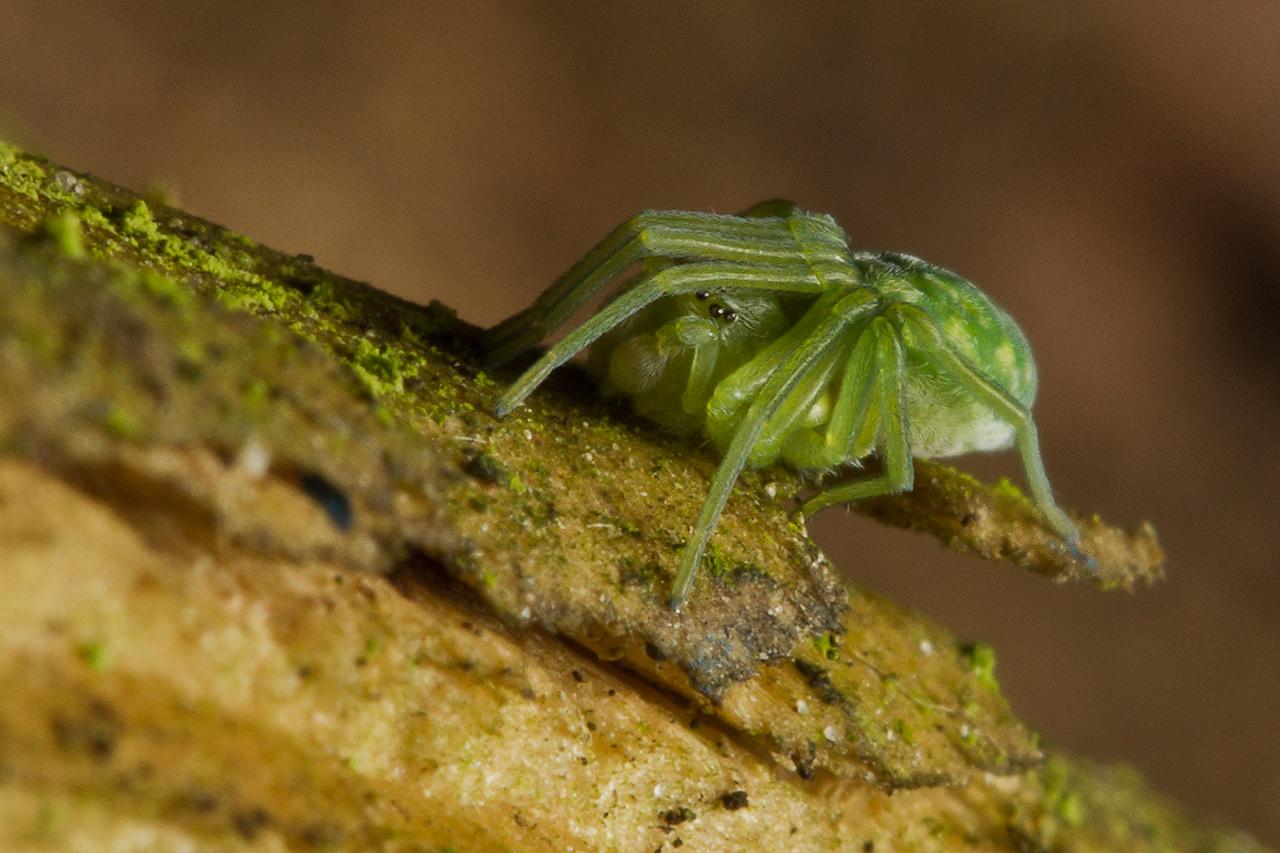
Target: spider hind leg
920, 325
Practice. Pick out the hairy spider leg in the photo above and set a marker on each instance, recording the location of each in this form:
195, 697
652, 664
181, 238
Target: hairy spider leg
671, 235
672, 281
785, 422
854, 425
838, 310
920, 324
891, 394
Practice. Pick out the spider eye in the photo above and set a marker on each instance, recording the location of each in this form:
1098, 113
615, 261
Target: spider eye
702, 295
719, 312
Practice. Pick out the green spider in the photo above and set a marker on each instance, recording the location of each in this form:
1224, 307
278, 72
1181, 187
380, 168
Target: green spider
772, 337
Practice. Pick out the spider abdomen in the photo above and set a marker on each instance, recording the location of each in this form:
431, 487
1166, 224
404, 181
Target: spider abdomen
944, 418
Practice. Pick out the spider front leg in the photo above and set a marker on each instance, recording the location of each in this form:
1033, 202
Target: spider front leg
671, 281
649, 235
890, 366
923, 326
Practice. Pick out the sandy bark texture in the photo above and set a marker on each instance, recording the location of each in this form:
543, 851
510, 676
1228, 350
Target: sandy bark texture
275, 578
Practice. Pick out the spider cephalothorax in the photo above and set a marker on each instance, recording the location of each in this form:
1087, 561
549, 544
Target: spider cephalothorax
769, 335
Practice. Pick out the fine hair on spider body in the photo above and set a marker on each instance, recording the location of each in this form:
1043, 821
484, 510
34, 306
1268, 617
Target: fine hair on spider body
767, 334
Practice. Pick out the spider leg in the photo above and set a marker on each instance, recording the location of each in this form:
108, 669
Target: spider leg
653, 235
818, 237
890, 367
854, 425
920, 324
678, 279
789, 417
839, 311
854, 414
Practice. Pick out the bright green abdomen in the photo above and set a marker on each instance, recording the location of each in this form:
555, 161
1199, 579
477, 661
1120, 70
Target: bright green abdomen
944, 418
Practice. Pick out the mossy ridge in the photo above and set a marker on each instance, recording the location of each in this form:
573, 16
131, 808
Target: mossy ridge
899, 704
1075, 804
102, 363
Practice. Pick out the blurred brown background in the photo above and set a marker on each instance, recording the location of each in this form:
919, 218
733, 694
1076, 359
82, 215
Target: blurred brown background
1111, 176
